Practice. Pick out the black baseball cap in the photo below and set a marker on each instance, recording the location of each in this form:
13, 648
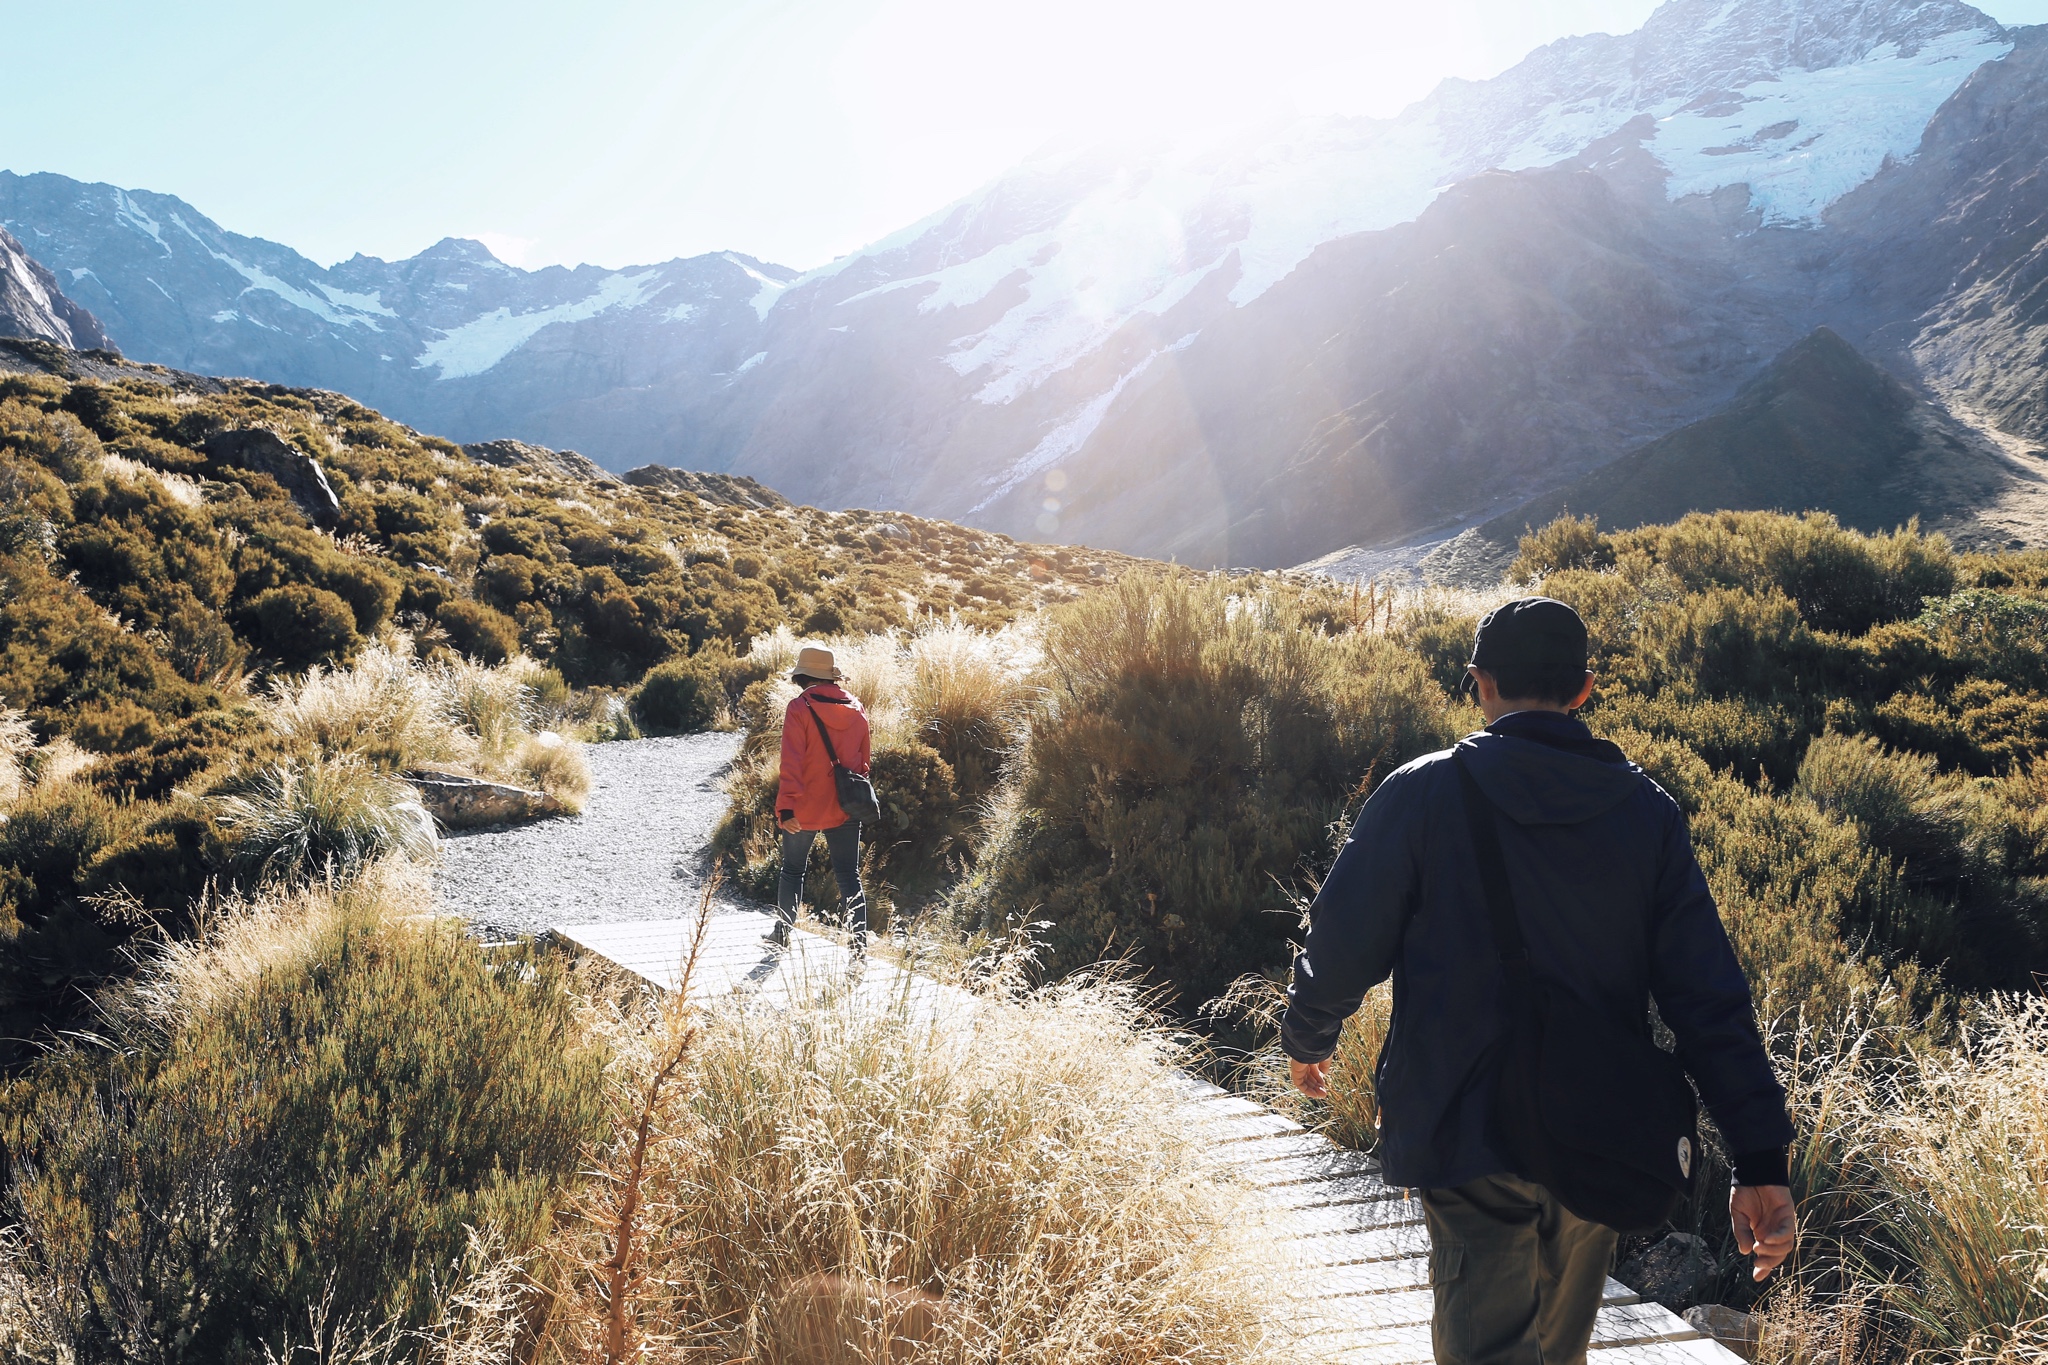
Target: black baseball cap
1532, 632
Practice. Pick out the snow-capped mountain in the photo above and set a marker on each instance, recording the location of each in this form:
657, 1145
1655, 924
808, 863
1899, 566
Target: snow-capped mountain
1255, 351
452, 339
1311, 334
1802, 100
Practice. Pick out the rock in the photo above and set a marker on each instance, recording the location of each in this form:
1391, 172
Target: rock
562, 464
1732, 1328
33, 306
1673, 1271
720, 490
299, 474
459, 801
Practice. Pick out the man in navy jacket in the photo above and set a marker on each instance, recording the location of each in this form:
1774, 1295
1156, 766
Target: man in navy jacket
1614, 908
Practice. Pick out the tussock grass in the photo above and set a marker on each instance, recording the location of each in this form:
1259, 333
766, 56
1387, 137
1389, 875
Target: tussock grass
329, 1127
382, 706
1922, 1172
1008, 1182
547, 762
178, 488
1350, 1117
17, 748
395, 712
492, 707
1962, 1160
966, 693
298, 819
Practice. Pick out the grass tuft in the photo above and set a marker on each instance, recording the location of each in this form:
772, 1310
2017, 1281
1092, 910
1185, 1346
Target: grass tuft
295, 819
1012, 1181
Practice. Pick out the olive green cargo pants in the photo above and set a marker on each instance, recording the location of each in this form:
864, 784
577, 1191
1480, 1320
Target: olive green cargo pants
1517, 1277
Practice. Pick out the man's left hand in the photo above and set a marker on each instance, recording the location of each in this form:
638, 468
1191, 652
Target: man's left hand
1310, 1078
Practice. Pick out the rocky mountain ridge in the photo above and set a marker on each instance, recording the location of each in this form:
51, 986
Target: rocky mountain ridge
33, 306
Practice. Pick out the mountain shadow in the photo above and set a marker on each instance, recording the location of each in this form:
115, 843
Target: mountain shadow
1821, 428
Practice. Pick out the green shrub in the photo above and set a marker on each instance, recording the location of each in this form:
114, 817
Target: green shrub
1967, 909
1841, 580
1567, 543
302, 626
1730, 642
1442, 636
478, 631
1752, 738
920, 816
295, 820
1196, 754
296, 1129
1802, 895
679, 697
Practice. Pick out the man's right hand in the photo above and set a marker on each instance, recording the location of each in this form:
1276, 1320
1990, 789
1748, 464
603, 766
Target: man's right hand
1766, 1224
1310, 1078
788, 825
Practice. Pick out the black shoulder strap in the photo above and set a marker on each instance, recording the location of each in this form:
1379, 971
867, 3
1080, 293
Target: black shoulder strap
819, 721
1493, 876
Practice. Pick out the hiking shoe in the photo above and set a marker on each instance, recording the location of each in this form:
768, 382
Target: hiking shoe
778, 937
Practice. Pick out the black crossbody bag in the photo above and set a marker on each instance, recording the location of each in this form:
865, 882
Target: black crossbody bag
856, 793
1599, 1116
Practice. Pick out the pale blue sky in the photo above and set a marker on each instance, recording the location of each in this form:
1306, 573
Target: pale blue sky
631, 132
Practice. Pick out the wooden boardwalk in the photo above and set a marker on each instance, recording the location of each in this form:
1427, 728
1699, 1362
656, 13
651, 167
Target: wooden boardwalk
1364, 1277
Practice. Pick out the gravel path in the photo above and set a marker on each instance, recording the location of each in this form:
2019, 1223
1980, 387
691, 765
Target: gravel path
636, 852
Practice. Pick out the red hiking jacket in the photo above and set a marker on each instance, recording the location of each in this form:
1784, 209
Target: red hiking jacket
808, 791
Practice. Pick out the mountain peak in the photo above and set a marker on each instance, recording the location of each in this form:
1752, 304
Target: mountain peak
464, 249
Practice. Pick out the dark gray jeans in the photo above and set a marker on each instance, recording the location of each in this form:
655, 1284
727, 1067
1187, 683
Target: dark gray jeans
843, 844
1517, 1276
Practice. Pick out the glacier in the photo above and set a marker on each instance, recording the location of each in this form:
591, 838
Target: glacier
1805, 139
478, 345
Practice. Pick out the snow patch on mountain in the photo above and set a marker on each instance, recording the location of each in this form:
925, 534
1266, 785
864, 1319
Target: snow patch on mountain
1072, 433
478, 345
770, 289
126, 210
336, 306
1805, 139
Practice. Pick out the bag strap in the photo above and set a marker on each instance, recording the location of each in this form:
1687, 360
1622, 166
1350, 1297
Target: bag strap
1493, 877
819, 721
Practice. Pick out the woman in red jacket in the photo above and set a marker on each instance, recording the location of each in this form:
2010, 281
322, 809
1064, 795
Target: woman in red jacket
807, 802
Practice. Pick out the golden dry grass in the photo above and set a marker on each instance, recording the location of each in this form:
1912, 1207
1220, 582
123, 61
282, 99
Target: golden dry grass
398, 712
1923, 1177
17, 747
382, 704
842, 1180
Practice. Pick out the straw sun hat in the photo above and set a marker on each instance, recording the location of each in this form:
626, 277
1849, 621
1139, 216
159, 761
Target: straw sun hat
813, 662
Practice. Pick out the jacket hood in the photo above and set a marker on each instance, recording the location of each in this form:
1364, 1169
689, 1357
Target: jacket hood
1545, 769
836, 706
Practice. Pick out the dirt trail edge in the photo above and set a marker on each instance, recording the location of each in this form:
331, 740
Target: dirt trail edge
636, 852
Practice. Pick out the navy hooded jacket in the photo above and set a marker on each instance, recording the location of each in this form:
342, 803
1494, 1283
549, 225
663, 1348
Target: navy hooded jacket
1613, 907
